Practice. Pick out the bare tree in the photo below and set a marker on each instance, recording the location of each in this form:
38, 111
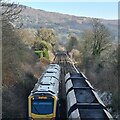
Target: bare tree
10, 11
100, 37
72, 43
96, 40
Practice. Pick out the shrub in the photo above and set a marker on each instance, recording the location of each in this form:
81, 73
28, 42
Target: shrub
45, 54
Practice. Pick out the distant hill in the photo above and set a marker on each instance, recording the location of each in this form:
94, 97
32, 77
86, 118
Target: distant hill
63, 24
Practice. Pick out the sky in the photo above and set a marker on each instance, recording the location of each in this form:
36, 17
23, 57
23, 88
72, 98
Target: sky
106, 10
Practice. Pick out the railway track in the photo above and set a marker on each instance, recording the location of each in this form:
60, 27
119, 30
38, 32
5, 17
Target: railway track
66, 66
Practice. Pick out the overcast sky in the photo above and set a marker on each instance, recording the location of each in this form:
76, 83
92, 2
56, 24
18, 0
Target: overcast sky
106, 10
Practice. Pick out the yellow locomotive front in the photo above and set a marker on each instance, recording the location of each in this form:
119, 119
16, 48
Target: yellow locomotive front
42, 107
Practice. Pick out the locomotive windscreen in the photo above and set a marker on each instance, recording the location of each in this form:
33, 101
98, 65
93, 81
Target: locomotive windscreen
42, 106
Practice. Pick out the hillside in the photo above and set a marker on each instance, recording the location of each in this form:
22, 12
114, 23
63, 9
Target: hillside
21, 67
61, 23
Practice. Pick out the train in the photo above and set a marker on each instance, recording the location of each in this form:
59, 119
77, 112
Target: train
43, 101
83, 103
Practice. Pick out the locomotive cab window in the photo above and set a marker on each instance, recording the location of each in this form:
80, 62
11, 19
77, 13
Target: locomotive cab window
42, 106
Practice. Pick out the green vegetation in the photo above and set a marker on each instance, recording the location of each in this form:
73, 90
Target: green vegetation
40, 46
39, 53
45, 54
45, 40
42, 54
41, 49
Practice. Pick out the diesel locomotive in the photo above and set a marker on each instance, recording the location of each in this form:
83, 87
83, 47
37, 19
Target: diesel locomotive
43, 100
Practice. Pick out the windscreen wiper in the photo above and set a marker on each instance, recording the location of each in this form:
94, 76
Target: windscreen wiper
36, 109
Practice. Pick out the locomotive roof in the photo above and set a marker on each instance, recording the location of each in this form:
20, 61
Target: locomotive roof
49, 82
54, 74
